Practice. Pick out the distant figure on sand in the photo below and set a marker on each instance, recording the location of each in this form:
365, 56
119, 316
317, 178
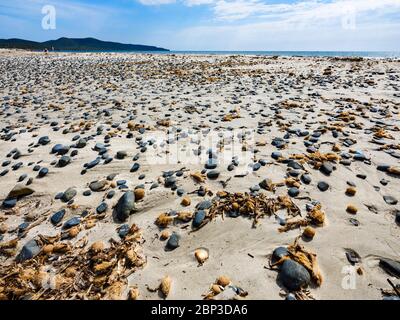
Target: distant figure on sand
46, 51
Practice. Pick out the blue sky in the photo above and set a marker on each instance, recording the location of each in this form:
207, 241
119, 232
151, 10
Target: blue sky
352, 25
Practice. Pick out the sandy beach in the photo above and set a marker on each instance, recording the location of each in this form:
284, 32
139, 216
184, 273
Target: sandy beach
116, 168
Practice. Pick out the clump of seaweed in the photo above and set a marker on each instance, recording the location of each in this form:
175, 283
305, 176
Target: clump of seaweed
63, 271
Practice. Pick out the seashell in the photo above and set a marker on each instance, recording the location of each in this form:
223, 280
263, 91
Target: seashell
61, 248
351, 209
223, 281
165, 285
133, 293
201, 254
139, 194
165, 234
309, 232
186, 201
198, 177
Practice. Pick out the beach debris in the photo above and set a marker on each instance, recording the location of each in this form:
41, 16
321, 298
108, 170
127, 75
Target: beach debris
201, 255
223, 289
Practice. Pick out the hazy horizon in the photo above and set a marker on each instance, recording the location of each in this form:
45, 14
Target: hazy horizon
214, 25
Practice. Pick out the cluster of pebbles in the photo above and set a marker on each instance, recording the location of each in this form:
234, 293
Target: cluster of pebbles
81, 158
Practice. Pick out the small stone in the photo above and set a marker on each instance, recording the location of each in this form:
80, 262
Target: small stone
390, 200
173, 241
323, 186
351, 209
213, 174
43, 172
98, 185
306, 178
293, 275
57, 217
68, 194
351, 191
102, 208
63, 161
309, 232
71, 223
326, 168
123, 230
20, 191
204, 205
121, 155
139, 194
198, 218
186, 201
28, 251
125, 206
293, 192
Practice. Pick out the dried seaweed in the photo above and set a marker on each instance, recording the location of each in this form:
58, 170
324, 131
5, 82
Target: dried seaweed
76, 272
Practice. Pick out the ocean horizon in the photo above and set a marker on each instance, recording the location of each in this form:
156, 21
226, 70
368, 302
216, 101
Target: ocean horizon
364, 54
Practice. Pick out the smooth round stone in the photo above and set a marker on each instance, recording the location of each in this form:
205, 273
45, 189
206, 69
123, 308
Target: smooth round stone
28, 251
97, 185
110, 194
397, 218
68, 194
263, 162
4, 172
198, 218
323, 186
173, 241
92, 164
255, 188
60, 149
213, 174
81, 144
111, 177
72, 223
87, 193
345, 162
121, 155
294, 173
279, 253
154, 185
43, 172
22, 177
256, 166
293, 192
294, 165
59, 195
276, 155
63, 161
293, 275
142, 176
361, 176
390, 200
102, 208
170, 182
135, 167
326, 168
74, 153
383, 167
125, 206
204, 205
57, 217
180, 192
231, 167
306, 178
359, 156
211, 163
44, 140
179, 173
290, 297
9, 203
123, 230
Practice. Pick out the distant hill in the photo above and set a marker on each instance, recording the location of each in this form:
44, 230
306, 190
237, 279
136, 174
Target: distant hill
69, 44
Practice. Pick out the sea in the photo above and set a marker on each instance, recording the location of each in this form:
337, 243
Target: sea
365, 54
